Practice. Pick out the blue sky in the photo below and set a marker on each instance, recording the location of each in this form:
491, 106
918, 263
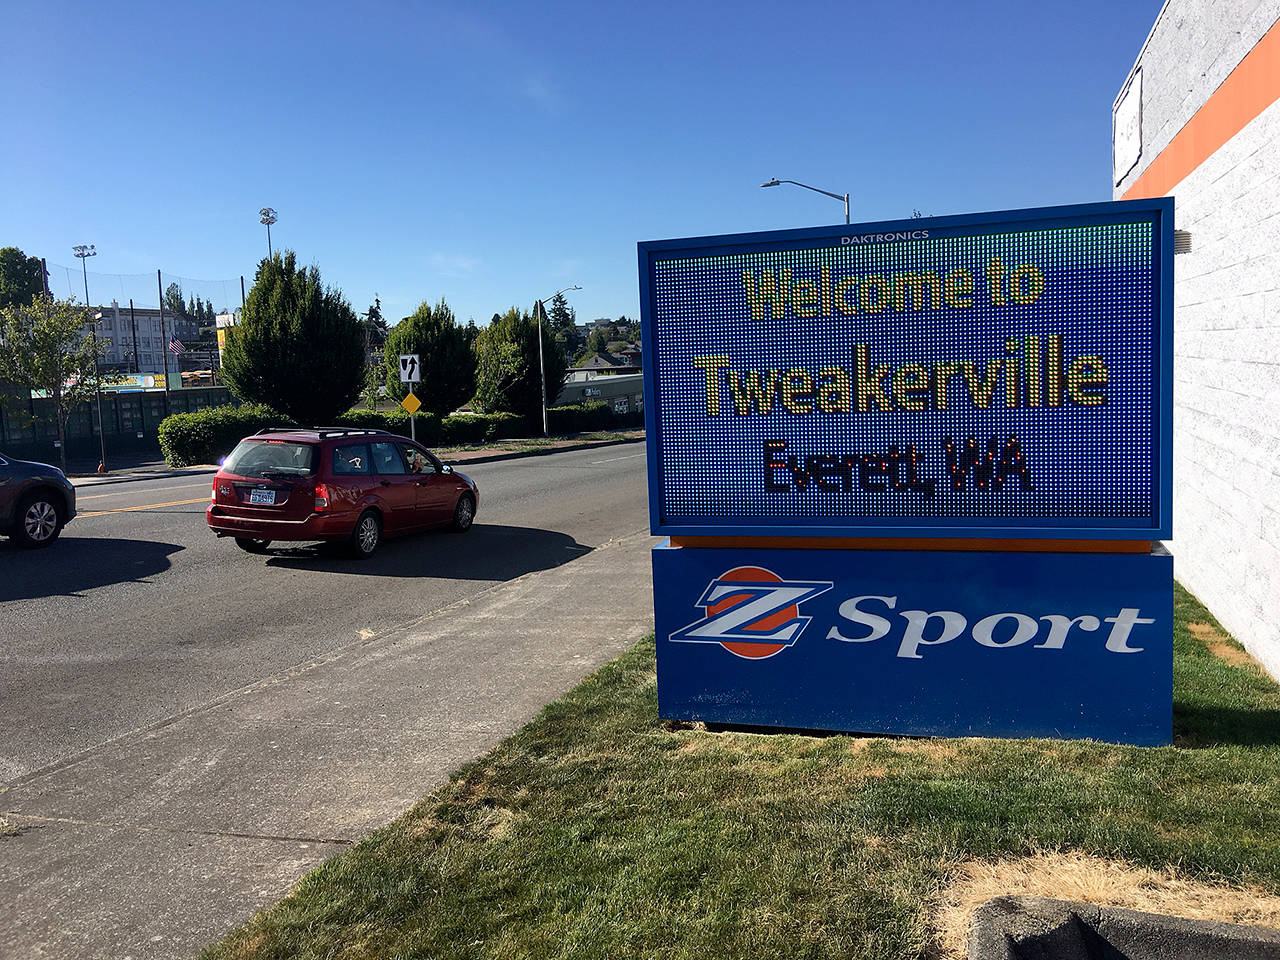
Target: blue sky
491, 153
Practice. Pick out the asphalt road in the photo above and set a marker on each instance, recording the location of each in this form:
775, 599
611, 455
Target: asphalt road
138, 613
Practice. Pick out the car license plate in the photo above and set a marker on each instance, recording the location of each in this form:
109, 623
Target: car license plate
263, 496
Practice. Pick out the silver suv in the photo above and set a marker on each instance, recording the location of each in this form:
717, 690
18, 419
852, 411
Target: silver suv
36, 501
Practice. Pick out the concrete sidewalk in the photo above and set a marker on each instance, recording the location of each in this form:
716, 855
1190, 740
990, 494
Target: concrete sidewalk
163, 840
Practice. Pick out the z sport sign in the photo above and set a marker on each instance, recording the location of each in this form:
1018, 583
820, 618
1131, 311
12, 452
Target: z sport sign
995, 375
932, 644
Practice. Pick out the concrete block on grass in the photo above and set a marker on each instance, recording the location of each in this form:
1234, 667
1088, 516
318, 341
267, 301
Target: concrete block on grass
1038, 928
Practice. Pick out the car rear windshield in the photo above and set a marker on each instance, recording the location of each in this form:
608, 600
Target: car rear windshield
272, 458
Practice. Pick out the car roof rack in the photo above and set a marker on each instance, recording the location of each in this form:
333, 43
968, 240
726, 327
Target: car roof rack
351, 432
324, 432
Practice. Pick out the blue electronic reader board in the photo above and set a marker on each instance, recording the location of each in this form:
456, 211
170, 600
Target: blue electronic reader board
994, 375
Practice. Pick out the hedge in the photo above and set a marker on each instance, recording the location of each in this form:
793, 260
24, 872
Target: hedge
207, 436
590, 415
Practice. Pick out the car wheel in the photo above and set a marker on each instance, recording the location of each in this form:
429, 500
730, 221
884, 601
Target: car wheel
464, 514
249, 545
39, 521
367, 535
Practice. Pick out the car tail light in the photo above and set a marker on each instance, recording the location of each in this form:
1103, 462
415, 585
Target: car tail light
322, 498
213, 493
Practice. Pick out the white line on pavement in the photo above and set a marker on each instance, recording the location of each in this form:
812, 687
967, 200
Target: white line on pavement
124, 493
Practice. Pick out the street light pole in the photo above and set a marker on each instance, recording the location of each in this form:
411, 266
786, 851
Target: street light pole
826, 193
84, 252
267, 216
541, 310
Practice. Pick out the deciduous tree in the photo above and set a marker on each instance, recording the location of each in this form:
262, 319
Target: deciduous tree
507, 377
46, 346
298, 346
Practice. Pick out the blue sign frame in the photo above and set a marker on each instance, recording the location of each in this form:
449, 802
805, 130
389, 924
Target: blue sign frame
1155, 525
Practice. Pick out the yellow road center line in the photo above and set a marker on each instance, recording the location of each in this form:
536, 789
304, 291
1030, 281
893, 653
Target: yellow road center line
145, 506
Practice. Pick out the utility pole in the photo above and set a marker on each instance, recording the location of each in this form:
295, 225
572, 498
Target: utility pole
83, 252
164, 347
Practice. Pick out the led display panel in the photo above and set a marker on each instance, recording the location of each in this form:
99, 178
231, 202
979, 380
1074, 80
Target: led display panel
1004, 374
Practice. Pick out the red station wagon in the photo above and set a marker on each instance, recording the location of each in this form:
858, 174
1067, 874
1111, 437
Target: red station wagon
355, 486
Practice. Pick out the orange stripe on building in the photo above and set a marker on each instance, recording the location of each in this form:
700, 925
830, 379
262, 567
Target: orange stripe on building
1250, 88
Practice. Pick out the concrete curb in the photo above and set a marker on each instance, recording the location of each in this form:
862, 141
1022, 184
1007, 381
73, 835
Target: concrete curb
94, 480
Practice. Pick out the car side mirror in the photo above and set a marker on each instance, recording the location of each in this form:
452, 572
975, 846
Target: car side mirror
446, 468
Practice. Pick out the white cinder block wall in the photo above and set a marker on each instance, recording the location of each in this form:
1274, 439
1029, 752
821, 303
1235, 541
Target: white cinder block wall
1226, 523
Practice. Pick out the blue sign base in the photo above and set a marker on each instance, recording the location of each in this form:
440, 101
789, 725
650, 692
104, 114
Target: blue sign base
955, 644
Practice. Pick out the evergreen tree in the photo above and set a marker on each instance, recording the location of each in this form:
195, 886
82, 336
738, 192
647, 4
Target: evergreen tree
448, 364
174, 305
298, 346
564, 324
375, 324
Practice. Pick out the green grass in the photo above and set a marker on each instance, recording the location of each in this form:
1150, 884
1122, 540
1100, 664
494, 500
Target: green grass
600, 831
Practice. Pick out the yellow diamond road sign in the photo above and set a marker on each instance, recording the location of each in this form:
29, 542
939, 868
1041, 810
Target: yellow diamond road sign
411, 403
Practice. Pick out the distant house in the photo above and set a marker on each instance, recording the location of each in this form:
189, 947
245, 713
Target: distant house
631, 354
601, 364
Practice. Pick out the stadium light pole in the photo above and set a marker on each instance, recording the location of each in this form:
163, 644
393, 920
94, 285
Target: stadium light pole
83, 252
541, 310
826, 193
267, 216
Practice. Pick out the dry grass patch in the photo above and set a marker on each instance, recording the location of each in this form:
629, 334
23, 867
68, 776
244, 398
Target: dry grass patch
1110, 883
1218, 644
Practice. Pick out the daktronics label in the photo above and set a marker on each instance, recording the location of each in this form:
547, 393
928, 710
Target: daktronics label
999, 374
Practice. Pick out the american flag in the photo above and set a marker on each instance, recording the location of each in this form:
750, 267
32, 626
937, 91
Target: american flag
175, 346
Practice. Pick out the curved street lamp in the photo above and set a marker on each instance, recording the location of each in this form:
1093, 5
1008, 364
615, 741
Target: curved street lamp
826, 193
541, 311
